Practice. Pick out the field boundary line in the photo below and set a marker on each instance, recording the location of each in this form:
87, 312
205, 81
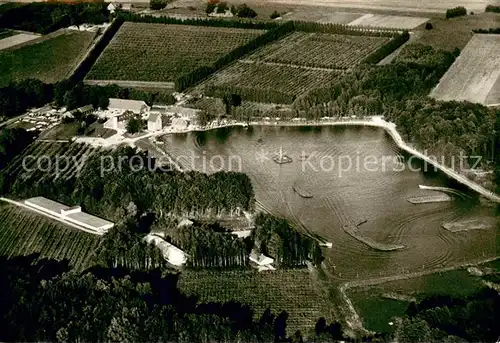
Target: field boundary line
20, 204
131, 83
247, 61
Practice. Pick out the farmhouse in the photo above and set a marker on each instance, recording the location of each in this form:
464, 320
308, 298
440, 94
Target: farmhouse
135, 106
171, 253
118, 121
71, 214
154, 122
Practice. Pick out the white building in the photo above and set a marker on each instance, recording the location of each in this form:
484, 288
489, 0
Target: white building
155, 122
135, 106
118, 120
171, 253
111, 8
72, 214
261, 259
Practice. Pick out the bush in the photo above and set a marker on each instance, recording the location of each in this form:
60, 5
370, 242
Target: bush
222, 7
243, 11
429, 26
456, 12
211, 5
275, 15
492, 8
157, 4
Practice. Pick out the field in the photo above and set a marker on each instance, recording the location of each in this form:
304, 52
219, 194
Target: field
426, 6
161, 53
282, 290
322, 16
375, 306
267, 82
23, 233
389, 21
40, 160
475, 73
320, 50
50, 60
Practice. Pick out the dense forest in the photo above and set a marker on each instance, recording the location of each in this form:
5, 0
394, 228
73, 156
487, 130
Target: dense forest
111, 180
41, 301
444, 318
48, 17
277, 238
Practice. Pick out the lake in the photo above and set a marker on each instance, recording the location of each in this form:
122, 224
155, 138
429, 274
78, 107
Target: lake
354, 174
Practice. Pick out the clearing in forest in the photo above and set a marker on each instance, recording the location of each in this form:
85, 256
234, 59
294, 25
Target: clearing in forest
50, 61
23, 232
162, 53
475, 74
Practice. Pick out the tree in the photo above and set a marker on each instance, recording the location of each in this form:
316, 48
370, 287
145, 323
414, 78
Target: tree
204, 118
103, 103
275, 15
135, 124
211, 5
243, 11
157, 4
222, 7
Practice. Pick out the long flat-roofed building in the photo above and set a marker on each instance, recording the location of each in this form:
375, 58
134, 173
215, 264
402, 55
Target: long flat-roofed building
72, 214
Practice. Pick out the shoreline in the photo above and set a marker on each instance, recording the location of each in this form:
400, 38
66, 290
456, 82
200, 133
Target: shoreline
375, 121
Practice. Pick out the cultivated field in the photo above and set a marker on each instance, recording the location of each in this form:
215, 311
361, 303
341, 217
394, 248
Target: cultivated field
39, 161
388, 5
320, 50
475, 73
322, 16
389, 21
262, 81
23, 233
161, 53
292, 291
50, 60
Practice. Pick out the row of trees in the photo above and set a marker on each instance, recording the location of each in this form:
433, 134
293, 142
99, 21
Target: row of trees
386, 49
276, 237
209, 246
109, 181
42, 302
12, 142
242, 11
18, 97
46, 17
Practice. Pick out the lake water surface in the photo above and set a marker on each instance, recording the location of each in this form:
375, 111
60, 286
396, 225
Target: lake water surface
375, 188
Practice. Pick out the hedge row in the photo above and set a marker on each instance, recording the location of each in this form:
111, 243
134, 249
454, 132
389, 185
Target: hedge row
492, 8
387, 48
251, 94
344, 29
456, 12
216, 22
490, 30
82, 70
195, 76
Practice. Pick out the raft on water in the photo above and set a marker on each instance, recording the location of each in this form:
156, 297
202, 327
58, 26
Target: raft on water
427, 199
466, 225
353, 231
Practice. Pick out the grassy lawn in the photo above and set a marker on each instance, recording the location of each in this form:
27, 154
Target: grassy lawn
282, 290
61, 131
50, 60
377, 311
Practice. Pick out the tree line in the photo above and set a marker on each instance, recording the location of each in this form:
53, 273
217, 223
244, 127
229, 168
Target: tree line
43, 301
291, 248
452, 319
46, 17
456, 12
208, 245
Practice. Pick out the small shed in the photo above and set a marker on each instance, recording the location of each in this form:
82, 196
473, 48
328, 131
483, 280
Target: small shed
261, 259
